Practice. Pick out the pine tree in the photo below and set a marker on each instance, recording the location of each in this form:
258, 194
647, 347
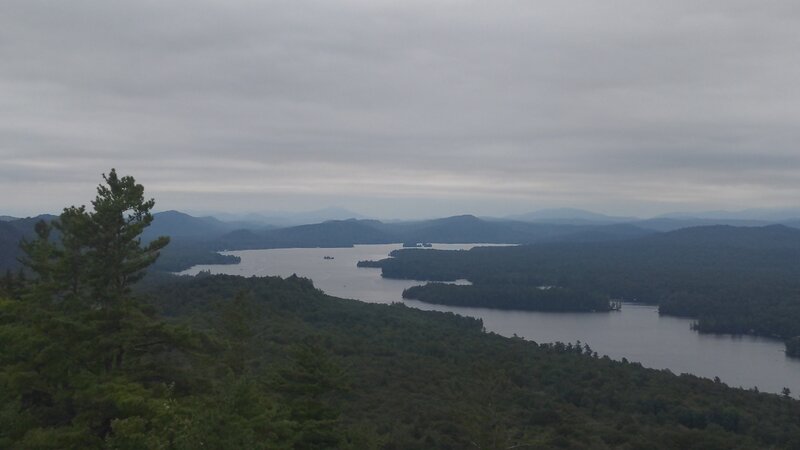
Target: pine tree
85, 352
117, 258
99, 254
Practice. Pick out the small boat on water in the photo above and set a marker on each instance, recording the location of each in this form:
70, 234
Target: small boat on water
417, 244
327, 257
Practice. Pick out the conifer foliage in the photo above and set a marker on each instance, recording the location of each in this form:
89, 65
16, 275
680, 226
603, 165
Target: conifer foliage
80, 352
100, 253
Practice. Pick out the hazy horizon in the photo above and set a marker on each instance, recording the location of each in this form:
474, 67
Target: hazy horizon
294, 217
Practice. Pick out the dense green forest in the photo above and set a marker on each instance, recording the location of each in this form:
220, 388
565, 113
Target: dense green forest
733, 280
185, 253
96, 356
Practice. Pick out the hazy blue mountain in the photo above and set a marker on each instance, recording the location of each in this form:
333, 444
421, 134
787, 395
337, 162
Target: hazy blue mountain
179, 225
240, 239
247, 224
456, 229
601, 233
9, 245
11, 232
249, 218
793, 224
7, 218
27, 224
769, 215
665, 222
470, 229
465, 228
671, 224
332, 233
326, 214
766, 238
287, 219
569, 216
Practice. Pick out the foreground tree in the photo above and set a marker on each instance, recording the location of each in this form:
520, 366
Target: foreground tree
85, 363
100, 253
117, 257
85, 352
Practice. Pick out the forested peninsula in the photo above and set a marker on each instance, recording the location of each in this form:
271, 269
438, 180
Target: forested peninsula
740, 280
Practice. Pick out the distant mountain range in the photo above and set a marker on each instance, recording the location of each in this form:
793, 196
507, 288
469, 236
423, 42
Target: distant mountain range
570, 216
179, 225
193, 237
667, 222
286, 219
754, 214
457, 229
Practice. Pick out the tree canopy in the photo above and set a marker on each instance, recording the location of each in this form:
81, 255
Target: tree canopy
98, 254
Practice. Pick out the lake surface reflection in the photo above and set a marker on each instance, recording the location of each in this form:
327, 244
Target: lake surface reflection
637, 332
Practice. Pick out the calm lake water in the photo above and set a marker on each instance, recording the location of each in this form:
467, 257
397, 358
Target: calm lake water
637, 332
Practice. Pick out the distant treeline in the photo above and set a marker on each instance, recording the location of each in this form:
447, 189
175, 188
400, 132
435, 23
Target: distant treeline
507, 296
732, 280
181, 255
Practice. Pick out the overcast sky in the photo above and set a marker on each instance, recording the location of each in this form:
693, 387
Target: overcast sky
403, 109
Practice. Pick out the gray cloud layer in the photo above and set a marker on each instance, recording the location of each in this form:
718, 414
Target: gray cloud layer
403, 108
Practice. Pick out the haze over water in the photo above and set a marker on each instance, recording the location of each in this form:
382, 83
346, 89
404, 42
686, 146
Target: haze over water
637, 332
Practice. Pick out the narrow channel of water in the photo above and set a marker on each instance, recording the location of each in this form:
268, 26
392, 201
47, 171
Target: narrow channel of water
637, 332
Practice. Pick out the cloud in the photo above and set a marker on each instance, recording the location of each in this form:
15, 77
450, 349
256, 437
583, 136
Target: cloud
488, 107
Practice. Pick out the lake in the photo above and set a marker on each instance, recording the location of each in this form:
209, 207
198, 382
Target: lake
637, 332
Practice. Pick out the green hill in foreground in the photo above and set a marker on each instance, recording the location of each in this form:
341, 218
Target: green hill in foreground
413, 379
272, 363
